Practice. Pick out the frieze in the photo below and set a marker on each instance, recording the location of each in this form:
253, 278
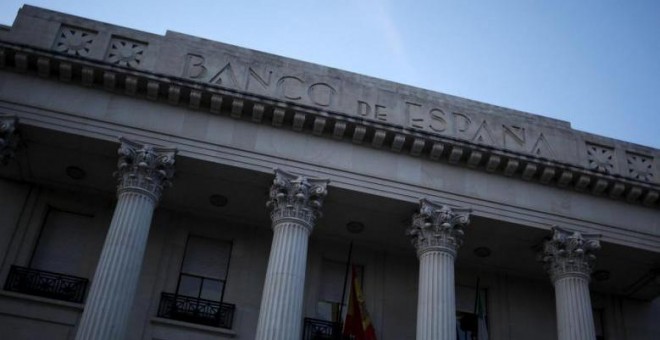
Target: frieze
328, 93
244, 84
236, 75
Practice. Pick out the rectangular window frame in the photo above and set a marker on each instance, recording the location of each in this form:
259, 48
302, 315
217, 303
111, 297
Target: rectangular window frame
203, 278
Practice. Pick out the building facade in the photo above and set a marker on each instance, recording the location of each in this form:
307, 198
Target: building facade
170, 187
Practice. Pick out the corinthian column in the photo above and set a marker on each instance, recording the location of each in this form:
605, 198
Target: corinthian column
437, 233
8, 138
295, 204
143, 172
569, 259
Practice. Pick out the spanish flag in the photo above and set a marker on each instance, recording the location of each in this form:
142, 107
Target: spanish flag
358, 324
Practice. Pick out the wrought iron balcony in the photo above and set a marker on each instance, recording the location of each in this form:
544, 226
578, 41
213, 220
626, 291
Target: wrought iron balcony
46, 284
315, 329
195, 310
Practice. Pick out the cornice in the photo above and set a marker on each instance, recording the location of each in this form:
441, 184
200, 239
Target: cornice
280, 113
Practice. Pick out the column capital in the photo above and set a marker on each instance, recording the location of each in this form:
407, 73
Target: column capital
569, 253
8, 137
438, 227
295, 197
144, 168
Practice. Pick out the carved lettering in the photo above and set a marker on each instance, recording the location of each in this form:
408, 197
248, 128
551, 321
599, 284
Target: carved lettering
225, 74
438, 121
414, 120
542, 148
194, 66
380, 113
321, 94
252, 74
461, 123
286, 89
484, 135
515, 133
363, 109
417, 123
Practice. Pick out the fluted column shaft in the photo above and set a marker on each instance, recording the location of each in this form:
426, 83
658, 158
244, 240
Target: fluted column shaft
113, 288
575, 320
281, 305
437, 233
295, 202
569, 259
436, 305
143, 170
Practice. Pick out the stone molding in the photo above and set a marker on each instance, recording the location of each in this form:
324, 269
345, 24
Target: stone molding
322, 122
569, 253
295, 198
144, 168
437, 227
8, 138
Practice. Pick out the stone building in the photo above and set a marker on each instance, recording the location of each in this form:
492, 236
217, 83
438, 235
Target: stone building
139, 199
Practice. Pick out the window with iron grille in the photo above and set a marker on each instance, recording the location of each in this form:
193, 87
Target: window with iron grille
204, 269
68, 243
335, 285
64, 256
199, 295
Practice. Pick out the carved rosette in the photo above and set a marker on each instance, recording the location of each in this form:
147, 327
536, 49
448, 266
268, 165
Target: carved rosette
74, 41
437, 227
569, 253
296, 198
8, 138
144, 168
126, 52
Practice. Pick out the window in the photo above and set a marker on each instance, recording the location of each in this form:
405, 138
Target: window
467, 321
335, 282
64, 244
598, 323
204, 269
331, 308
200, 289
64, 257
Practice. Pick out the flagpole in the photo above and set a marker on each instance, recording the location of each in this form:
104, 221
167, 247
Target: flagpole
480, 312
476, 297
343, 292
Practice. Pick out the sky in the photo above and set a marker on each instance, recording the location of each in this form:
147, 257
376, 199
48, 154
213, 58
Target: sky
594, 63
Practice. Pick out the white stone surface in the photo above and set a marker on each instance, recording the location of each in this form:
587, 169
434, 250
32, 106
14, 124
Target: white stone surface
113, 288
280, 316
436, 233
520, 304
296, 202
436, 304
569, 259
143, 170
575, 320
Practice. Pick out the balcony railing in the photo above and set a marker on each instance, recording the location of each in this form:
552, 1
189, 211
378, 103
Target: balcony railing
195, 310
315, 329
46, 284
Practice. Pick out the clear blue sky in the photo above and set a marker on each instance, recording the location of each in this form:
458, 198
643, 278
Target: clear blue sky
595, 63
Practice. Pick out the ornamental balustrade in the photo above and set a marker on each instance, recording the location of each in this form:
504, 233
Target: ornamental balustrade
196, 310
315, 329
46, 284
